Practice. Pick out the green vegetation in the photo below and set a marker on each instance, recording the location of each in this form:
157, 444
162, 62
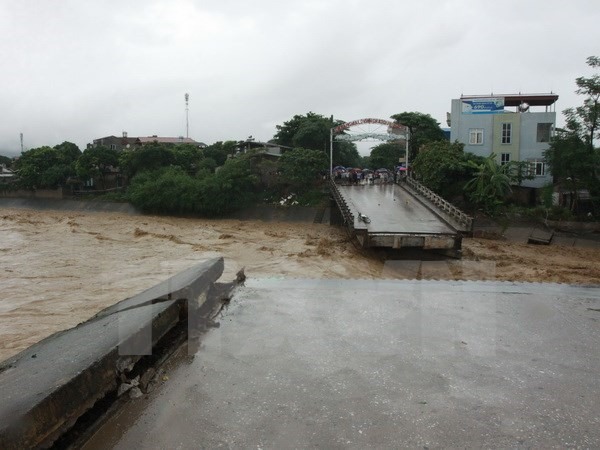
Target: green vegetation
312, 131
490, 185
6, 161
172, 190
94, 162
216, 180
300, 168
386, 155
47, 167
422, 128
442, 167
572, 156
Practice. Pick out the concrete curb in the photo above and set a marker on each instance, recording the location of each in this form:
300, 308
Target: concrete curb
48, 386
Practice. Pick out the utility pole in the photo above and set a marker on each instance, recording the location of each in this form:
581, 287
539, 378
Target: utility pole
21, 136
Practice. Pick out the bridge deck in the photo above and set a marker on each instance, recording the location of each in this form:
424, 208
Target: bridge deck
392, 210
397, 218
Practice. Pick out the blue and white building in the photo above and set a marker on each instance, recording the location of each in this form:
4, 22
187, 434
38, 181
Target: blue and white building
515, 127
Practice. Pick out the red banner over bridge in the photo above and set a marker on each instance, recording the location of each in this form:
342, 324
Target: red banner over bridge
388, 123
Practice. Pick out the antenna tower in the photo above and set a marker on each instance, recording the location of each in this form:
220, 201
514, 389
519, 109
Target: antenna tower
187, 109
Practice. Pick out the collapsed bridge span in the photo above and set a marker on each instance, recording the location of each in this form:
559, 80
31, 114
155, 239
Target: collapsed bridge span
405, 215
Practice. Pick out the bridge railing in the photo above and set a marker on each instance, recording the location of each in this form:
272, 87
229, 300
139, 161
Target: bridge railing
339, 199
444, 205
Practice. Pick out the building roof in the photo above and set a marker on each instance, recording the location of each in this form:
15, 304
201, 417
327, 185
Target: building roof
122, 138
167, 140
517, 99
6, 172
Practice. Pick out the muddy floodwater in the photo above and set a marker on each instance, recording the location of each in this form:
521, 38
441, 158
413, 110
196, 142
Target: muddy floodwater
59, 268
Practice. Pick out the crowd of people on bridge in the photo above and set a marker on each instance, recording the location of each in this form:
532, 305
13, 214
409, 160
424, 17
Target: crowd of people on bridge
350, 175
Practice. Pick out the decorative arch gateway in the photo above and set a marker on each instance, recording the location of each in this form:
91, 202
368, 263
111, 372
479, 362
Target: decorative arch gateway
394, 132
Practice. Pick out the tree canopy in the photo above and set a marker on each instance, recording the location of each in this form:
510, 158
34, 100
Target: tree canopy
300, 167
312, 131
173, 190
346, 154
68, 152
6, 160
94, 162
443, 167
47, 167
584, 120
219, 151
305, 131
422, 127
146, 158
572, 157
386, 155
490, 183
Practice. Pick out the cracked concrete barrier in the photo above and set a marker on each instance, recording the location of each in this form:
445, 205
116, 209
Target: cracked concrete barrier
46, 388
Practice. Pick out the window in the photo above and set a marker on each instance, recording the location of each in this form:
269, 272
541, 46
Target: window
543, 132
537, 168
113, 146
506, 133
476, 136
504, 158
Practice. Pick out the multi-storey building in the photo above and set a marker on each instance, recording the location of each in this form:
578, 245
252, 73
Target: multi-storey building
515, 127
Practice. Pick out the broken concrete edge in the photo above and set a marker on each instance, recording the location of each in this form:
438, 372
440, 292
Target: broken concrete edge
47, 387
181, 285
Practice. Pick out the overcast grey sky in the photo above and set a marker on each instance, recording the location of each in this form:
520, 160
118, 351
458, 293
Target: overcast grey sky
77, 70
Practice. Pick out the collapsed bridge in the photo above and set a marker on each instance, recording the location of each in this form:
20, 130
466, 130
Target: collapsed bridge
404, 215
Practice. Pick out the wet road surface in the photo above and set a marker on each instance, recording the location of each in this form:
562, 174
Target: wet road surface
382, 364
392, 210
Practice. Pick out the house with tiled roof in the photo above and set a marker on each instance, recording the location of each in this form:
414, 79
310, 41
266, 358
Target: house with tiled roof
124, 142
167, 140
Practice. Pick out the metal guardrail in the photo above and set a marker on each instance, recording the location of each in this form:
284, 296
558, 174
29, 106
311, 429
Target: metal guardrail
442, 204
339, 199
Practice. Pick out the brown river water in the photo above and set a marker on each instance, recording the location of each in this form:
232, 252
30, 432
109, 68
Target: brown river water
59, 268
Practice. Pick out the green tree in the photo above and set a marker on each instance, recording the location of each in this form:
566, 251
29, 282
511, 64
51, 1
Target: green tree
95, 161
572, 164
490, 184
234, 186
584, 120
346, 154
44, 167
169, 190
187, 156
305, 131
172, 190
422, 128
208, 165
6, 161
313, 131
572, 157
219, 151
146, 158
386, 155
442, 167
301, 168
68, 152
